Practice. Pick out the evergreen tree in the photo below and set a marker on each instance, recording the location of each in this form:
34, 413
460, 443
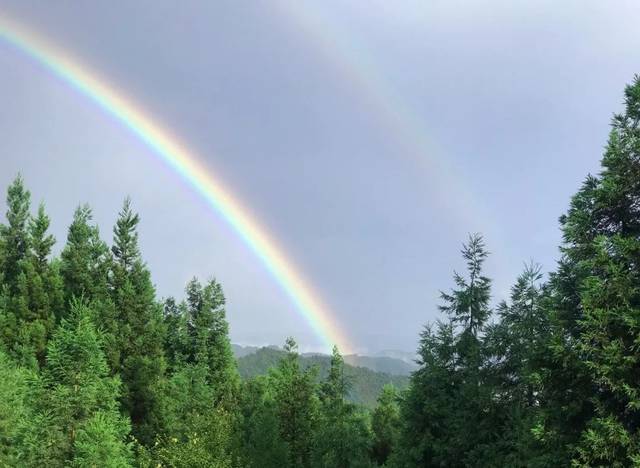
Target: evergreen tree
447, 412
14, 237
601, 253
385, 423
80, 399
262, 444
16, 411
516, 347
85, 265
208, 331
343, 437
198, 432
296, 405
140, 333
31, 291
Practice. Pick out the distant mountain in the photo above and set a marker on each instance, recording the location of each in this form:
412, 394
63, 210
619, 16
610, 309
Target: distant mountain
389, 361
409, 358
365, 383
385, 364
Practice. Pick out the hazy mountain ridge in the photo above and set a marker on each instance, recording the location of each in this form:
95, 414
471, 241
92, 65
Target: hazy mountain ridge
392, 362
366, 384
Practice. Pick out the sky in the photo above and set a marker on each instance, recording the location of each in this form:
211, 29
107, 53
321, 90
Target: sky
369, 138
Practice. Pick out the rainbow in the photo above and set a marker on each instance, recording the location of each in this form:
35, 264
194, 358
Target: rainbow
178, 158
355, 65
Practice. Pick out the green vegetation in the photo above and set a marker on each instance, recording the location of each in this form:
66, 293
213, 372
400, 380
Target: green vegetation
95, 371
365, 385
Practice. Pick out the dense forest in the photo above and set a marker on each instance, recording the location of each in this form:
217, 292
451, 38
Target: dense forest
96, 371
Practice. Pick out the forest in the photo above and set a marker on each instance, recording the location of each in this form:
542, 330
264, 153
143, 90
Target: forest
96, 371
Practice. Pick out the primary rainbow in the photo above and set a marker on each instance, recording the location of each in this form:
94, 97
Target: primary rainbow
183, 162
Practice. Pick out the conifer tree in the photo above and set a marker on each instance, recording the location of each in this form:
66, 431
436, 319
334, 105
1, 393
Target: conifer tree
385, 423
140, 334
516, 347
262, 444
198, 432
84, 266
602, 254
209, 336
342, 437
297, 406
81, 399
31, 286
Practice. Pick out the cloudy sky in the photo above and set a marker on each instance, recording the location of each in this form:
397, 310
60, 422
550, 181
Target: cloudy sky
368, 137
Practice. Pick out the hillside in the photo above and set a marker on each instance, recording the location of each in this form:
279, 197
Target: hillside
366, 384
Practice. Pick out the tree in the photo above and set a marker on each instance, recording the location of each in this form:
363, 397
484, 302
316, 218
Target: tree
516, 348
84, 266
262, 444
14, 237
208, 331
140, 334
447, 411
198, 432
343, 437
31, 291
601, 254
17, 386
80, 399
385, 423
296, 405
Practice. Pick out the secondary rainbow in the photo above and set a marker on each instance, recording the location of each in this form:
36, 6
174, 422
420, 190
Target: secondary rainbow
356, 65
186, 164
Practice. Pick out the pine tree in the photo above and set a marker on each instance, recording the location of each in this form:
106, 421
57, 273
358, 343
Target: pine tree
209, 336
602, 254
31, 286
16, 411
81, 399
14, 247
198, 432
516, 347
140, 333
85, 259
297, 406
14, 237
342, 437
262, 444
85, 265
385, 423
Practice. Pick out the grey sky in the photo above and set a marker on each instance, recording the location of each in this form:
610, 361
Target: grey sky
516, 97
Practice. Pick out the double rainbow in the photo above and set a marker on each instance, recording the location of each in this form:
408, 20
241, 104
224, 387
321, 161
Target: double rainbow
184, 163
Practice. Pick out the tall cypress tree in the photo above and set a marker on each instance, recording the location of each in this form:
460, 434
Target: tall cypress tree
14, 247
342, 437
85, 266
209, 336
296, 403
446, 409
81, 399
601, 257
140, 335
31, 286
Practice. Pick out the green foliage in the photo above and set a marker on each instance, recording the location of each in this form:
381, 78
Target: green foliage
342, 435
262, 444
296, 405
199, 432
31, 292
364, 385
88, 355
140, 330
80, 399
385, 424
